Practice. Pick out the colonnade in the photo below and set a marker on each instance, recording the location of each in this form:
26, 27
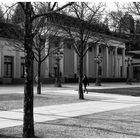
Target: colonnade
110, 68
112, 61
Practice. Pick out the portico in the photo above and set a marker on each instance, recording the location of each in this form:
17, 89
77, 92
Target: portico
113, 63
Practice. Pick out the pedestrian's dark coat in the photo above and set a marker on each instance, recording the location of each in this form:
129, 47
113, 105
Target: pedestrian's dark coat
85, 80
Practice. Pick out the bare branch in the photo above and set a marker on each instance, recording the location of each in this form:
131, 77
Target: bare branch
137, 7
54, 5
49, 53
51, 12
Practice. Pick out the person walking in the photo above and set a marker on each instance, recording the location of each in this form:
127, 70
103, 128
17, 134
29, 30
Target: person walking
85, 83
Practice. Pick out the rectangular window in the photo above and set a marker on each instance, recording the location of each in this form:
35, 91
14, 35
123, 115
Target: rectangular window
22, 67
8, 66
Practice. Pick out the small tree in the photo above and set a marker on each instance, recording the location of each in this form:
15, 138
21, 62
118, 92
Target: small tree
41, 51
46, 32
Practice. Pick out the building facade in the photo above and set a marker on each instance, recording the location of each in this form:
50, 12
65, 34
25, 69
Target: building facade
11, 61
113, 64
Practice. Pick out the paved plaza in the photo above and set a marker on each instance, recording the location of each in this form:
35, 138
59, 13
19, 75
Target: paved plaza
53, 112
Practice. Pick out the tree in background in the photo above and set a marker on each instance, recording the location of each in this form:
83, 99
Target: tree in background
18, 17
134, 9
2, 19
43, 47
8, 11
113, 23
126, 24
46, 32
127, 21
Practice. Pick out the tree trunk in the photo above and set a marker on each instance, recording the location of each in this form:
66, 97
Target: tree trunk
81, 95
39, 78
28, 121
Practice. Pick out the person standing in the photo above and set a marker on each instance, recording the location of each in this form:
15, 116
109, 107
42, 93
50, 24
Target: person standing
85, 83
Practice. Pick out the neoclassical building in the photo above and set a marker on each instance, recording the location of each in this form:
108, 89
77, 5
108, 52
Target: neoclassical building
113, 63
112, 66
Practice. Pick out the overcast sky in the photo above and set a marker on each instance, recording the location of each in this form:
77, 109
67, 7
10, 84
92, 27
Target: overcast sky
109, 3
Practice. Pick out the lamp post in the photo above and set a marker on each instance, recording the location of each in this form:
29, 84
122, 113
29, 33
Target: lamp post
98, 60
129, 62
58, 56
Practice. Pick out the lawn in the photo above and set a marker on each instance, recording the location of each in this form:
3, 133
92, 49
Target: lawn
15, 101
123, 123
134, 91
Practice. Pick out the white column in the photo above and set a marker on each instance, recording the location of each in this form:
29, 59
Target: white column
47, 67
17, 71
87, 63
96, 54
62, 59
2, 63
123, 62
111, 63
106, 61
62, 66
47, 59
75, 63
115, 63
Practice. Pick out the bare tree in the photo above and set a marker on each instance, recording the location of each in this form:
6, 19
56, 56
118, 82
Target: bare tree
46, 34
114, 24
46, 31
30, 16
83, 29
133, 8
18, 15
8, 11
126, 18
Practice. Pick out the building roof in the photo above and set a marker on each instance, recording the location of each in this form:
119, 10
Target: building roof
12, 31
69, 21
